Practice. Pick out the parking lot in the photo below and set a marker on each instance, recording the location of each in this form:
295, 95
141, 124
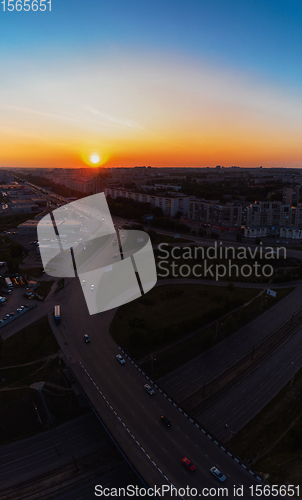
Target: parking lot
14, 301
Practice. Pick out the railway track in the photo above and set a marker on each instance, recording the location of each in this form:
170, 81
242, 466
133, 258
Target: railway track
212, 389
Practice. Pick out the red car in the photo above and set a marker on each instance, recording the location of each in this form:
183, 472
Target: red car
188, 463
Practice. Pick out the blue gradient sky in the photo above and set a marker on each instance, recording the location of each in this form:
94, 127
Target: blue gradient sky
245, 47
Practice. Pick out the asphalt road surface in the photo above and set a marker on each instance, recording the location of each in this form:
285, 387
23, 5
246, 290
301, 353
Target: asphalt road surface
242, 402
191, 376
123, 386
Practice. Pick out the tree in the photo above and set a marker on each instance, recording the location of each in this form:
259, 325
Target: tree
275, 197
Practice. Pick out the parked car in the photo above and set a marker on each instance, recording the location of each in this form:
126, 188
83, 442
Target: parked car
86, 338
120, 359
166, 420
216, 472
29, 295
6, 291
188, 463
149, 389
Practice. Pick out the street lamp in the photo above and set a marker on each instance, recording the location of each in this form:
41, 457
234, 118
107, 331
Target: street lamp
231, 432
152, 359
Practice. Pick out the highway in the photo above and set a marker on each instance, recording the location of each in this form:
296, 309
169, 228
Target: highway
123, 388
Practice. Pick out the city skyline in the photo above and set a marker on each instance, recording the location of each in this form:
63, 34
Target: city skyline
159, 85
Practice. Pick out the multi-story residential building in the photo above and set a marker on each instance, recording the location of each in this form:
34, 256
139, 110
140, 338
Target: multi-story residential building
136, 175
228, 215
297, 215
290, 233
269, 213
170, 205
291, 195
287, 196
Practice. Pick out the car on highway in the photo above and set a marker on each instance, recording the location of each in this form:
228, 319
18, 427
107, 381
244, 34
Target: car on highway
86, 338
120, 359
188, 463
216, 472
166, 420
149, 389
92, 287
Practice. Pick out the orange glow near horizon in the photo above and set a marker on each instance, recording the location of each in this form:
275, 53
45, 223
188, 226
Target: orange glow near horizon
149, 113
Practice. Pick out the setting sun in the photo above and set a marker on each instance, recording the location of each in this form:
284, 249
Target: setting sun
94, 159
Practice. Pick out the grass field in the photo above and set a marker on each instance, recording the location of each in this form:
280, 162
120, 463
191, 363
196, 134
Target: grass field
171, 321
29, 344
32, 272
28, 357
44, 288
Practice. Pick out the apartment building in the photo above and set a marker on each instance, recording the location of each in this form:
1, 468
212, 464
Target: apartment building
227, 215
297, 215
269, 213
291, 195
170, 205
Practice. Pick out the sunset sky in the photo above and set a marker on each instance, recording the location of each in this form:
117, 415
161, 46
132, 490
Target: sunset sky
161, 83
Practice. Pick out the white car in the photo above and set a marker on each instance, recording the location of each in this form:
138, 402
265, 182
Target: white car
120, 359
216, 472
92, 287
